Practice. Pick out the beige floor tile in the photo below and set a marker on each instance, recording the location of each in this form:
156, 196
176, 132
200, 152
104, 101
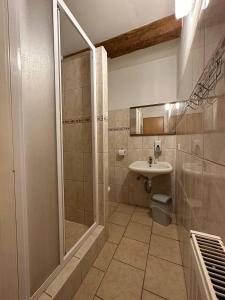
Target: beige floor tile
112, 208
132, 252
165, 248
115, 233
149, 296
96, 298
165, 231
142, 209
119, 218
90, 285
121, 282
112, 203
111, 211
165, 279
103, 260
73, 232
142, 218
125, 208
44, 297
139, 232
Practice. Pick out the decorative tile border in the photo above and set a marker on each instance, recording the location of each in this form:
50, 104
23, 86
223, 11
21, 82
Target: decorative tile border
100, 118
119, 129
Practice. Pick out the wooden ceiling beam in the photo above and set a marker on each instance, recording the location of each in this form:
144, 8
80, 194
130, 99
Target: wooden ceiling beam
160, 31
163, 30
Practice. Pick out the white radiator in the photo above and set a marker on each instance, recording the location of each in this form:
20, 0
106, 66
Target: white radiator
207, 267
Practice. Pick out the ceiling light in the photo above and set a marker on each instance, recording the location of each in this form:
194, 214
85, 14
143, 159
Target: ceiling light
205, 4
177, 105
183, 8
167, 106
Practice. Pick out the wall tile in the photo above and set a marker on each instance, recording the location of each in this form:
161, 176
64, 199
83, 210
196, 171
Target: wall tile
214, 24
134, 142
214, 131
121, 175
133, 155
148, 142
111, 138
73, 165
86, 101
213, 199
73, 137
71, 108
121, 139
87, 137
122, 118
88, 167
74, 194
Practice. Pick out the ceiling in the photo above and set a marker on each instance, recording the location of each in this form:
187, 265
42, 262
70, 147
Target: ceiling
104, 19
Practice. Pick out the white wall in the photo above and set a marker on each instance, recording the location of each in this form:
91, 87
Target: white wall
188, 32
144, 77
8, 243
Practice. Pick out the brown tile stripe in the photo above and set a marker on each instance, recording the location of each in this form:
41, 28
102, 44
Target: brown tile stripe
119, 129
100, 118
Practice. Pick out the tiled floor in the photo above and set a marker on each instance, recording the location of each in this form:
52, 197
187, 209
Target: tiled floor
140, 261
73, 232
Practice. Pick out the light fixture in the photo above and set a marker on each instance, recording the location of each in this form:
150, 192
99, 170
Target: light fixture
205, 4
167, 106
177, 105
183, 8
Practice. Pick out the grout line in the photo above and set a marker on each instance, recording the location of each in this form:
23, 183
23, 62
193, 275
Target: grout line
181, 265
118, 224
132, 239
202, 158
168, 238
112, 258
155, 294
142, 223
127, 264
145, 271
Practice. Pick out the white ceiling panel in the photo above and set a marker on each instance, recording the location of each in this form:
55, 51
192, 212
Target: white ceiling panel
104, 19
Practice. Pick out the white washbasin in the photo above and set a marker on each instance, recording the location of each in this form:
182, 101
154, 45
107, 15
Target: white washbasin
143, 168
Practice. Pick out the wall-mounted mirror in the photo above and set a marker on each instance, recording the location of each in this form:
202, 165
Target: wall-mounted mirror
158, 119
77, 131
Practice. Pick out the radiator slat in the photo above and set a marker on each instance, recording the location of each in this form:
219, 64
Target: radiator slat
217, 250
219, 253
208, 265
213, 274
216, 271
215, 265
217, 257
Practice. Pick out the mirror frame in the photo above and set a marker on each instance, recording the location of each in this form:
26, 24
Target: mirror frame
156, 134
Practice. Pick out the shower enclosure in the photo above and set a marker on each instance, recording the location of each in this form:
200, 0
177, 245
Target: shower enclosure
53, 76
79, 153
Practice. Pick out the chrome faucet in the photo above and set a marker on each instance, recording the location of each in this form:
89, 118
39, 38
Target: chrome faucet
150, 161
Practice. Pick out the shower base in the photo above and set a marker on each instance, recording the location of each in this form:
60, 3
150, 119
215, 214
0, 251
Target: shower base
73, 232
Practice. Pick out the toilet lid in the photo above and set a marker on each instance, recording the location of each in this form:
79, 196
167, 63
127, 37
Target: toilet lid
162, 198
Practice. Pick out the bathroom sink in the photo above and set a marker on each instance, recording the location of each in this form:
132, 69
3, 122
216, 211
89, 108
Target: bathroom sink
143, 168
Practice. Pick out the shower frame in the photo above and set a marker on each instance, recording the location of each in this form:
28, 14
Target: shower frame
58, 82
20, 186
